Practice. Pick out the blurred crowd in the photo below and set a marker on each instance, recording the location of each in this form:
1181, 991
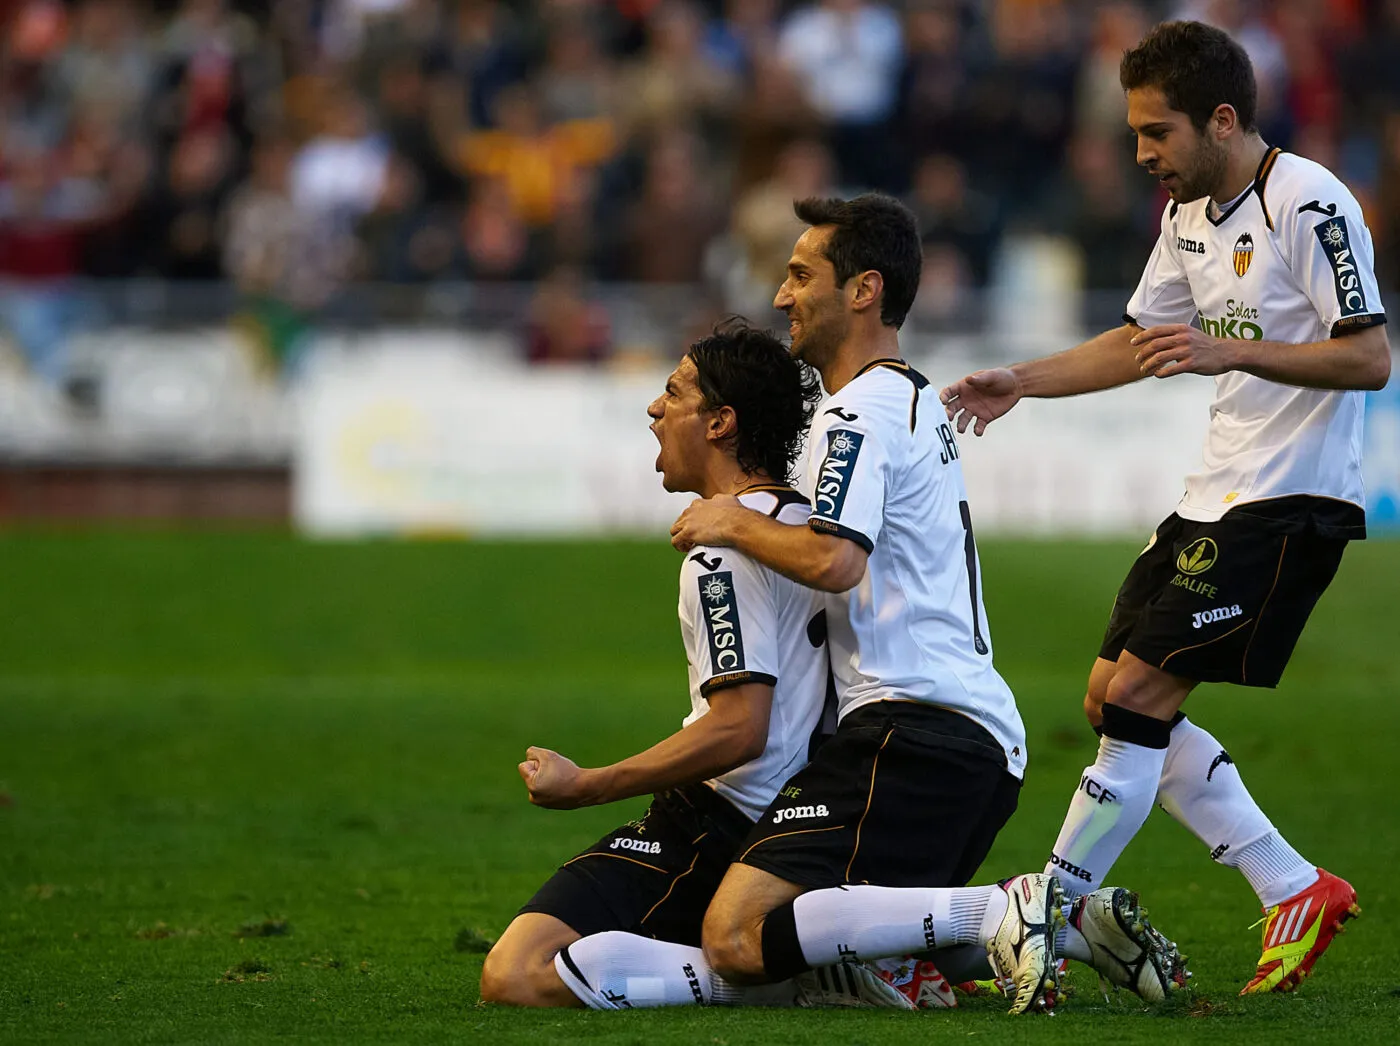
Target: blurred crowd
299, 148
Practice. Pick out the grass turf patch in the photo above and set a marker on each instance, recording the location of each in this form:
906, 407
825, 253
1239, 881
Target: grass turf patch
252, 788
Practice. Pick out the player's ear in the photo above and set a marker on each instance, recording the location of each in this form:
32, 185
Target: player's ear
724, 423
1224, 120
867, 288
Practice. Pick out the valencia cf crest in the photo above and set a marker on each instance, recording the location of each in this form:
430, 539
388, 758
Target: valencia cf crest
1244, 253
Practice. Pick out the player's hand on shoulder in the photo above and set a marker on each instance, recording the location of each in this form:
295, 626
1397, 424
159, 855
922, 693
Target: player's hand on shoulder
1177, 348
981, 398
552, 780
704, 522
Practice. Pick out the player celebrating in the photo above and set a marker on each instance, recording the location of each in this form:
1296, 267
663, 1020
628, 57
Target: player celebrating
1270, 253
730, 421
926, 762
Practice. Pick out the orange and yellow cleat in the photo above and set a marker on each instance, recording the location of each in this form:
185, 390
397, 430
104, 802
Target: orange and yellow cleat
1298, 931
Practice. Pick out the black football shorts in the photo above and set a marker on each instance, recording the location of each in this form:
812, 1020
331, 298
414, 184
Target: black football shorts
654, 876
1221, 602
903, 794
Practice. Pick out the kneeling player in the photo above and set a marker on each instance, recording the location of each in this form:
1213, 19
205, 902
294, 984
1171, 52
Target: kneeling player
730, 421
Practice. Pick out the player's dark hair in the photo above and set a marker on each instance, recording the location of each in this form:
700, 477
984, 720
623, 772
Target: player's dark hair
872, 231
1197, 67
772, 393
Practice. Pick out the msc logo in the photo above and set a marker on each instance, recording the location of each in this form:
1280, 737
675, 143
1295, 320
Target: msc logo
794, 813
834, 478
1244, 253
638, 845
1337, 246
722, 622
1197, 557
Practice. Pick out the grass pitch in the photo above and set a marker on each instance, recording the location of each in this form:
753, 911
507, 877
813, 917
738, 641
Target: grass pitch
256, 789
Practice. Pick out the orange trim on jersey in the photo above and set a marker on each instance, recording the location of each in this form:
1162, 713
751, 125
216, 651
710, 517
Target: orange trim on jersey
615, 857
1208, 642
1263, 176
764, 486
868, 797
888, 361
677, 879
782, 835
1244, 661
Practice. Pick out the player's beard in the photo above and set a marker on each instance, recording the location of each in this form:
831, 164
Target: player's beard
1209, 162
821, 333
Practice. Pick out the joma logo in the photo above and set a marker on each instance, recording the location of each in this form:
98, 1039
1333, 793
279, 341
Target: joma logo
795, 813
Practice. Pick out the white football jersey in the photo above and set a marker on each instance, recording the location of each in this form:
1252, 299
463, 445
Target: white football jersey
744, 623
1290, 260
884, 472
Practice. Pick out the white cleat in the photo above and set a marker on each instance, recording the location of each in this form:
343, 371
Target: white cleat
1129, 952
1022, 951
846, 985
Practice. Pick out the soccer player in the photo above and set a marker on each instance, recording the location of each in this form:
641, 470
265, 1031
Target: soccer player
730, 421
863, 851
1263, 278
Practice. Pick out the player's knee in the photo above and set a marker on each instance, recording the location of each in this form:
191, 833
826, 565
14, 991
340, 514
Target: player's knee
1093, 708
508, 979
733, 954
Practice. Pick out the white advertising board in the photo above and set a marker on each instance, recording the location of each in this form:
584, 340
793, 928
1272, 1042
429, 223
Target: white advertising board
403, 442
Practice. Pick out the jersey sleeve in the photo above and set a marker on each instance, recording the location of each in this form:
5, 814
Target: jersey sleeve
850, 479
729, 619
1332, 259
1163, 294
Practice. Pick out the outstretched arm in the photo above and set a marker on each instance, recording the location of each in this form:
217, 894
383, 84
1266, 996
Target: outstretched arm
1103, 362
822, 561
733, 732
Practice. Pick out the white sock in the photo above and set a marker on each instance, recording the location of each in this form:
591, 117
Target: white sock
1203, 790
874, 922
616, 971
1112, 801
624, 971
1070, 943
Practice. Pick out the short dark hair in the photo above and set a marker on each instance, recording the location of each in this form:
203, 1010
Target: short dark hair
772, 393
872, 231
1197, 67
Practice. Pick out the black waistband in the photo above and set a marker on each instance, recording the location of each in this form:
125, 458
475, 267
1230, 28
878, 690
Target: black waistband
708, 808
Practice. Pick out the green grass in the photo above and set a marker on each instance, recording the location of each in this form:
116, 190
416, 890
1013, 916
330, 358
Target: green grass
255, 789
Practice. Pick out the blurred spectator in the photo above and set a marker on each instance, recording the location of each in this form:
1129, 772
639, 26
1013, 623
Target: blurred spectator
954, 218
1101, 110
1246, 21
285, 260
744, 30
939, 74
495, 242
483, 52
1022, 106
673, 82
847, 54
44, 212
1100, 212
107, 62
534, 160
406, 106
564, 326
576, 82
344, 169
186, 205
667, 230
764, 227
775, 113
